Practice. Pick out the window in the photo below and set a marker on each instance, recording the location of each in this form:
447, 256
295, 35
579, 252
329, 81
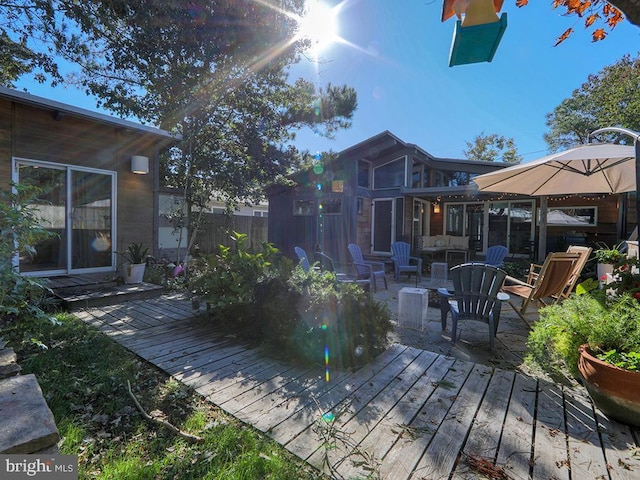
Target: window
390, 175
419, 175
364, 169
331, 206
260, 213
444, 178
572, 216
302, 207
510, 224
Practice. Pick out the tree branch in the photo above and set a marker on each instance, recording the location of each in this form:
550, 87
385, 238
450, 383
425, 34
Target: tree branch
185, 435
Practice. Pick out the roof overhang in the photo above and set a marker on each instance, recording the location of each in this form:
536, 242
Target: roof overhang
64, 109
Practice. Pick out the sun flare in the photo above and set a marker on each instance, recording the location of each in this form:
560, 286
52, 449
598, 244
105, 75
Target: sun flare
319, 25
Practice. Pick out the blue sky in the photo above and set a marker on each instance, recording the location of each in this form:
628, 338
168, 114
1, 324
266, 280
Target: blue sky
396, 57
405, 85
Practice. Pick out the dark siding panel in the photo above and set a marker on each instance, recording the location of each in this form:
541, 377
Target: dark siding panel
37, 135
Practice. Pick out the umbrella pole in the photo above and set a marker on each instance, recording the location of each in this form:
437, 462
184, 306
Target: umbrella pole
636, 144
542, 233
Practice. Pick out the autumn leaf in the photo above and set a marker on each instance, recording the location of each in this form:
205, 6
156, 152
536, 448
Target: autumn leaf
564, 36
522, 3
591, 19
599, 34
582, 7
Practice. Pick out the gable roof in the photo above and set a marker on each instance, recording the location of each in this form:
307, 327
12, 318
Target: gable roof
62, 108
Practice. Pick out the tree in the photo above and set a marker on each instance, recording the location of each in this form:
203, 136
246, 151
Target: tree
215, 71
610, 98
489, 148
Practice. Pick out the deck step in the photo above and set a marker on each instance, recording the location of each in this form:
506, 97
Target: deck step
106, 294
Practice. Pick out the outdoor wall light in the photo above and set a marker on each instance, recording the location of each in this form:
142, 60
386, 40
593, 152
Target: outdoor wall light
140, 164
436, 208
477, 35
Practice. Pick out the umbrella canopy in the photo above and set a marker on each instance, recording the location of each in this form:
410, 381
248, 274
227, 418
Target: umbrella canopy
592, 168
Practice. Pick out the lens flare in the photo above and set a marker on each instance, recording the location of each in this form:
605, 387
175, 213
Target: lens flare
326, 363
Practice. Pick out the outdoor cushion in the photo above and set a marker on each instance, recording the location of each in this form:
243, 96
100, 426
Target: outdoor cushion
445, 239
461, 243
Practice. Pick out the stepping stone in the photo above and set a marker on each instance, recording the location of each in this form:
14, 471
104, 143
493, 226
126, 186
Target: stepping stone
8, 365
26, 423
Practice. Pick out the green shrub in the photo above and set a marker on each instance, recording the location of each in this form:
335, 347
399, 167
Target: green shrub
261, 296
605, 324
339, 316
517, 269
22, 299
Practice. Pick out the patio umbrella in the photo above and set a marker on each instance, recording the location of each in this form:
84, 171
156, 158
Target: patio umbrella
591, 168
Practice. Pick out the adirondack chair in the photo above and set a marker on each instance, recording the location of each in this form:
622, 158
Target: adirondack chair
404, 262
438, 275
326, 263
546, 286
302, 257
476, 296
367, 269
495, 255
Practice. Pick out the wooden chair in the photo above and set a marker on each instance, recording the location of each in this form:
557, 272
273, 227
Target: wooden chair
584, 252
550, 282
476, 296
367, 269
403, 262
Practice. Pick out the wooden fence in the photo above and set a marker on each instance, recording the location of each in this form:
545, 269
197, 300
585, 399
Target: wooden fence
217, 229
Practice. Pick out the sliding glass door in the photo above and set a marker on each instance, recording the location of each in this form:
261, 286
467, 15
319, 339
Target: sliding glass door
77, 206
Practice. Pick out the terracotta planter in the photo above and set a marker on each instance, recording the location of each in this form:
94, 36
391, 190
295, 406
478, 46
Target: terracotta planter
614, 390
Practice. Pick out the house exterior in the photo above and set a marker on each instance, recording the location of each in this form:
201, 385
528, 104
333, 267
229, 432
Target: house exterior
100, 176
384, 190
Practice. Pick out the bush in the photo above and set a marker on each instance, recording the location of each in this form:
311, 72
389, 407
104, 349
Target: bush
262, 297
605, 324
22, 299
517, 269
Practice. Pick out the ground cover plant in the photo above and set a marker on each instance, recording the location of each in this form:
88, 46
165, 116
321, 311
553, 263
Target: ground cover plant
99, 422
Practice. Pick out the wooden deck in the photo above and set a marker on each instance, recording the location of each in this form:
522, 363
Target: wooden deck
410, 414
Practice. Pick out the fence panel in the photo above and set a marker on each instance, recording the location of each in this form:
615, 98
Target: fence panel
217, 229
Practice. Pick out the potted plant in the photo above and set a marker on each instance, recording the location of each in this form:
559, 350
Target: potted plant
134, 267
607, 258
595, 338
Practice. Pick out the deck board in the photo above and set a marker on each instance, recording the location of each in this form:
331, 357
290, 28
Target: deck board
409, 414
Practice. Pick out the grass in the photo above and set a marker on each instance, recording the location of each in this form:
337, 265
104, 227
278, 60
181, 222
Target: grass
84, 377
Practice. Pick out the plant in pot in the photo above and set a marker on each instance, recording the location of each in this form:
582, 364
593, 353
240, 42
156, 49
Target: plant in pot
134, 266
595, 338
607, 259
